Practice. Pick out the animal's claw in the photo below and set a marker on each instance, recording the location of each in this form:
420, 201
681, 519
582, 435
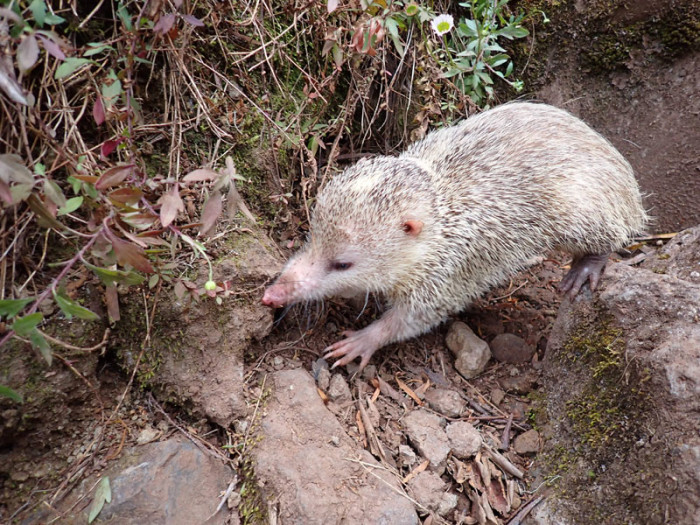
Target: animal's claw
356, 344
587, 268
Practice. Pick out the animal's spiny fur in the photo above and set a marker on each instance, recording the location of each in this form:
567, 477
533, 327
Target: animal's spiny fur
490, 194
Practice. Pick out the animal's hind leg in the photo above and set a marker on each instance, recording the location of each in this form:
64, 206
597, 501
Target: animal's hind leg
584, 268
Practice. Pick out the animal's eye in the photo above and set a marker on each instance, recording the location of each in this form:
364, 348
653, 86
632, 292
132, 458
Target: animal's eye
339, 266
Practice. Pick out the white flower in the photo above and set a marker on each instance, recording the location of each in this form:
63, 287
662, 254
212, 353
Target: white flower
442, 24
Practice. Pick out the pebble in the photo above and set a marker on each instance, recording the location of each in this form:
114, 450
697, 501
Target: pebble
522, 383
471, 353
527, 443
465, 440
338, 389
431, 492
497, 396
425, 431
447, 402
509, 348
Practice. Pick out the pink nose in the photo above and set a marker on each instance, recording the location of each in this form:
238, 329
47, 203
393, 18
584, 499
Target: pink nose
274, 296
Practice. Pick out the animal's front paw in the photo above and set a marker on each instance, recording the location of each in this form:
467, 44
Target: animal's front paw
362, 344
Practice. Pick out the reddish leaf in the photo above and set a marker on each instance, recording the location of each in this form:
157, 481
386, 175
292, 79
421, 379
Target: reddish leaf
171, 205
52, 48
112, 300
5, 193
108, 146
193, 20
126, 195
130, 254
164, 24
179, 290
90, 179
98, 113
201, 175
212, 210
114, 176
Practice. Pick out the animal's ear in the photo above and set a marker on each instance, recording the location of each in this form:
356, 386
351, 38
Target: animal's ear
413, 227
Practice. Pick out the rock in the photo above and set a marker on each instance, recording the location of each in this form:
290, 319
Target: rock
430, 490
520, 383
527, 443
497, 396
622, 378
147, 435
171, 482
424, 429
310, 478
471, 353
509, 348
465, 440
339, 390
407, 456
447, 402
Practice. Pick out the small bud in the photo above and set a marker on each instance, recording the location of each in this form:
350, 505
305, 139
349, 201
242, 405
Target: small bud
210, 285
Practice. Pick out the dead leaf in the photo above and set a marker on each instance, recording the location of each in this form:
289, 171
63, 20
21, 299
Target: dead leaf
420, 468
211, 212
332, 5
408, 391
112, 300
201, 175
114, 176
171, 205
129, 254
27, 53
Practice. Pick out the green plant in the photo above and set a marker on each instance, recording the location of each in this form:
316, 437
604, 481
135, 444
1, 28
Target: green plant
472, 56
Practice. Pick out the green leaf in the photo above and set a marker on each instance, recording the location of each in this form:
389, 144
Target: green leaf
53, 20
110, 277
112, 91
39, 342
53, 192
70, 65
103, 495
72, 204
96, 49
6, 391
511, 32
509, 68
38, 9
11, 307
70, 308
124, 16
24, 325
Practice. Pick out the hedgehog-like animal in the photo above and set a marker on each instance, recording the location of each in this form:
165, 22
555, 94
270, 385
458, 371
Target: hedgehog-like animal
459, 212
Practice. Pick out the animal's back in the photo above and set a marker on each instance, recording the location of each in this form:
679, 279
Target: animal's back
522, 178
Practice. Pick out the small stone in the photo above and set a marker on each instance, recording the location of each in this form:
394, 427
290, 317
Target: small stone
323, 379
407, 456
527, 443
497, 396
424, 429
147, 435
369, 372
448, 503
465, 440
338, 389
509, 348
522, 383
471, 353
19, 476
427, 488
278, 362
447, 402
